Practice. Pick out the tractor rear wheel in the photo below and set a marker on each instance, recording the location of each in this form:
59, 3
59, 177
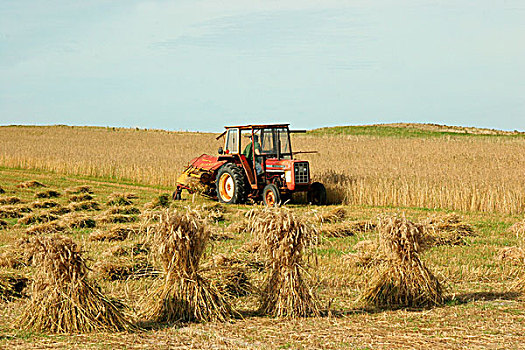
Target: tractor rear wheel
271, 196
316, 194
230, 184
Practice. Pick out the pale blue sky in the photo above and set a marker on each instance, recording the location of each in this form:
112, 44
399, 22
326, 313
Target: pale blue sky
198, 65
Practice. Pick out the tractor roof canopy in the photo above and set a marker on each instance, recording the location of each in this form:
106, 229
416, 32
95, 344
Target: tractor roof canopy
257, 126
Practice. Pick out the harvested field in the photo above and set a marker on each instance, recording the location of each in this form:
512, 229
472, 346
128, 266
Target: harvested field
513, 255
334, 215
483, 306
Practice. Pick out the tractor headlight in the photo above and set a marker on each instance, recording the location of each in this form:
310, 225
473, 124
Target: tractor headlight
288, 176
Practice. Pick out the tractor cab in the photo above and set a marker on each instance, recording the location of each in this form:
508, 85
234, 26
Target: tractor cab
270, 141
256, 162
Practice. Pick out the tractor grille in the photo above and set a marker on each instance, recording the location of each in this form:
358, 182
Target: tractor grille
301, 172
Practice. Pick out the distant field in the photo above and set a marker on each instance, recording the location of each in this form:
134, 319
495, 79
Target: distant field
413, 130
392, 165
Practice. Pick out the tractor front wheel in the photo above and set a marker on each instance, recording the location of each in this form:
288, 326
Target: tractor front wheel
271, 196
316, 194
230, 184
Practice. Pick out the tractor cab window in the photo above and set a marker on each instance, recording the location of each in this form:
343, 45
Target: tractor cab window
284, 142
267, 144
275, 142
232, 142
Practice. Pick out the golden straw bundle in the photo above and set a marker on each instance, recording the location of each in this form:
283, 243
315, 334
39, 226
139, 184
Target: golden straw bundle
180, 239
63, 300
285, 239
402, 280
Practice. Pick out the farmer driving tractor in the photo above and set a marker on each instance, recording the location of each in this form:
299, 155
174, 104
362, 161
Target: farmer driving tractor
252, 146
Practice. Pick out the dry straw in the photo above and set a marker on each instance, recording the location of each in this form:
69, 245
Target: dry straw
34, 218
121, 198
59, 210
11, 286
85, 205
77, 220
516, 254
116, 233
10, 200
367, 253
46, 227
62, 299
123, 269
285, 240
13, 211
79, 189
81, 197
122, 210
162, 201
47, 194
30, 184
445, 230
346, 228
334, 215
44, 204
229, 274
16, 256
402, 280
179, 241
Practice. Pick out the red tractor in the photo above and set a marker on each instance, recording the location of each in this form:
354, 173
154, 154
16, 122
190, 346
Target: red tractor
262, 167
